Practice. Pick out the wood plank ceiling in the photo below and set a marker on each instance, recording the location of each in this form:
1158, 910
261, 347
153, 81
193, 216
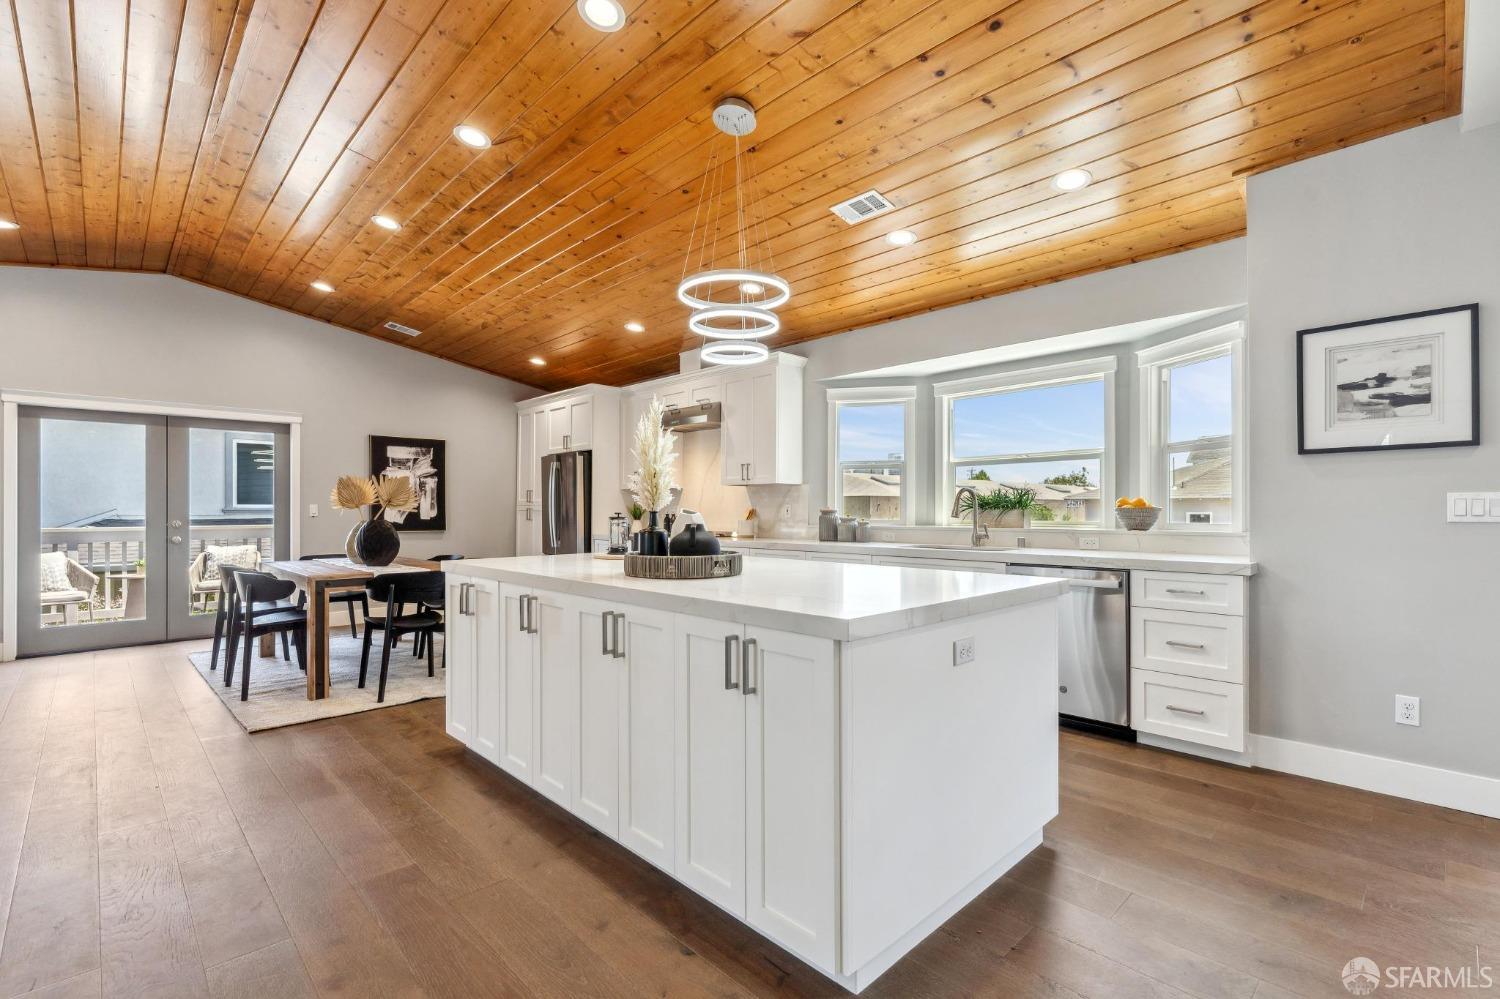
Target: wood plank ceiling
246, 144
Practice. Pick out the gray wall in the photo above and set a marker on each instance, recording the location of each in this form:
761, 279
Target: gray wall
157, 338
1208, 278
1366, 591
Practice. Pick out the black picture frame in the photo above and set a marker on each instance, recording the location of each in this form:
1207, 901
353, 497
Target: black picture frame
1472, 440
429, 461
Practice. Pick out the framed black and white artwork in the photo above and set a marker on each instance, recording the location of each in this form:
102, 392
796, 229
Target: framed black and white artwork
419, 459
1399, 382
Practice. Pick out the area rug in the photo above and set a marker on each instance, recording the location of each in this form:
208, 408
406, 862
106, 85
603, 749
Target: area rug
278, 688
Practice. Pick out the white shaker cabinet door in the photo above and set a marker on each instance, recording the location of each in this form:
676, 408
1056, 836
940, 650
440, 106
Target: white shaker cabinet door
483, 617
528, 465
600, 677
647, 771
792, 785
555, 695
517, 666
458, 660
737, 432
710, 762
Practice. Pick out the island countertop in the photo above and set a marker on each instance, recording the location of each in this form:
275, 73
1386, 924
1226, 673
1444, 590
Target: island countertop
823, 599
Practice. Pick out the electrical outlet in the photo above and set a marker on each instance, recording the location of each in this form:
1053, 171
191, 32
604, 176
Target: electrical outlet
1408, 710
1089, 544
963, 651
786, 512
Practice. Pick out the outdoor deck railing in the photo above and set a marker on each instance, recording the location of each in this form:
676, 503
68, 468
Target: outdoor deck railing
118, 549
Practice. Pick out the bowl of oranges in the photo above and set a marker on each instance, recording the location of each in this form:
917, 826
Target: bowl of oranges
1136, 514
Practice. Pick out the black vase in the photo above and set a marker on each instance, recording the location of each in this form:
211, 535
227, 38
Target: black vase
377, 543
695, 539
653, 540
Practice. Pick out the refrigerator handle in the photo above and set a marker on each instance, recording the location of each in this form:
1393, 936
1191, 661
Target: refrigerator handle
553, 469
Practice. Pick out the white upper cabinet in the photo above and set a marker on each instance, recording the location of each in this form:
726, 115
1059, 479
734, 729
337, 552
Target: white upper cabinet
762, 434
570, 424
527, 466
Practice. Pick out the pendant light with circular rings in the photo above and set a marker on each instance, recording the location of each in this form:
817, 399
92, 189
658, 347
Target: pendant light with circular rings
765, 323
778, 289
735, 352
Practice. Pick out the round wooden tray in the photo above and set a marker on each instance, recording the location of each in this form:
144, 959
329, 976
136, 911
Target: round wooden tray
718, 566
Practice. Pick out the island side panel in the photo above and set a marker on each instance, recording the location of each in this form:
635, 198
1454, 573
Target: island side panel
948, 770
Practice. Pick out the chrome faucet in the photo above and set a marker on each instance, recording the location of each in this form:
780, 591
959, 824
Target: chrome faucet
980, 533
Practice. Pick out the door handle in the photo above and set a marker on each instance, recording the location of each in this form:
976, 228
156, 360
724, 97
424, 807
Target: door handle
731, 645
1186, 711
176, 524
531, 617
176, 539
463, 598
749, 667
1195, 646
528, 499
615, 649
521, 613
604, 648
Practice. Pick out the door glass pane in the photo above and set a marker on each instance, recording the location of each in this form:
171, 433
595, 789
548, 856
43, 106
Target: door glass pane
93, 517
231, 497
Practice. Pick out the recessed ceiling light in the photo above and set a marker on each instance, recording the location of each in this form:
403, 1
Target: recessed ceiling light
322, 286
901, 237
385, 222
752, 288
539, 362
471, 135
1073, 180
606, 15
635, 327
8, 224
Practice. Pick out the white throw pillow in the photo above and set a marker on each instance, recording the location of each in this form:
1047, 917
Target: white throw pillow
239, 556
55, 572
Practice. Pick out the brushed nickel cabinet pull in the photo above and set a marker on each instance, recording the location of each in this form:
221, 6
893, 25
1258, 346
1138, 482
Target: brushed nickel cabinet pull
731, 645
1185, 711
1194, 593
1196, 646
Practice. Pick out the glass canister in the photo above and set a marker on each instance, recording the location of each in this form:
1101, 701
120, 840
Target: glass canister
861, 530
845, 529
828, 524
619, 534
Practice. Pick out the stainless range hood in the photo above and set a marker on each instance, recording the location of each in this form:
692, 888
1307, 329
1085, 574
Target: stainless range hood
698, 416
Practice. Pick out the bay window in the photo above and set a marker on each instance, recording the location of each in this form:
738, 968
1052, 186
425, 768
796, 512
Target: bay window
870, 441
1043, 433
1191, 428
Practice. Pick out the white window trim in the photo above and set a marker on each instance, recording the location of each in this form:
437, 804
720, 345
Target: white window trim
1091, 369
1152, 453
906, 396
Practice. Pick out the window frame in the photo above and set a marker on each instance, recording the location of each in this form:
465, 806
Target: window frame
881, 395
1100, 369
1155, 450
232, 475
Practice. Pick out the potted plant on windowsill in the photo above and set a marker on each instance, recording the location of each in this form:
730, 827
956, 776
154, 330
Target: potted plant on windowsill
1006, 507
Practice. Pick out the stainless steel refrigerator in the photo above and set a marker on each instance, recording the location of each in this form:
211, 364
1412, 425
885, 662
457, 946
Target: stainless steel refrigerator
566, 515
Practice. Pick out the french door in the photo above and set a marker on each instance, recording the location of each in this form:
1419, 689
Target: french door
123, 518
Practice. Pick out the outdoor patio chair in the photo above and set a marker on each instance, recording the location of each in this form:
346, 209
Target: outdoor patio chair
66, 584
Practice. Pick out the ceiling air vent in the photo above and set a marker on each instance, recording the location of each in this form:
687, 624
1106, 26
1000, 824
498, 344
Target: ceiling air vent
865, 206
398, 328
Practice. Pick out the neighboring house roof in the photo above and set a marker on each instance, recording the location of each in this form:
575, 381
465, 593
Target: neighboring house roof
1211, 476
1045, 492
865, 484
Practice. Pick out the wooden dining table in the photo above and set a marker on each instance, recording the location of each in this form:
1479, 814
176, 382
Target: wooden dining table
318, 578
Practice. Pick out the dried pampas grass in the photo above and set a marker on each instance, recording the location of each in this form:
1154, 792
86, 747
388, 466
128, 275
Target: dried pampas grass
654, 450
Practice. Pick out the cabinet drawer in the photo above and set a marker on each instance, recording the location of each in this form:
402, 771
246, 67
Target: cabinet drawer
1207, 712
836, 557
775, 553
1188, 591
1211, 646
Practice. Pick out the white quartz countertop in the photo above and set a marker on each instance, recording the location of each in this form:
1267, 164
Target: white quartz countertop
1234, 565
824, 599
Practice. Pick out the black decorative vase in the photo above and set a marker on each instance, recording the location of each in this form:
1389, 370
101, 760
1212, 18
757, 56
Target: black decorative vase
653, 540
695, 539
377, 543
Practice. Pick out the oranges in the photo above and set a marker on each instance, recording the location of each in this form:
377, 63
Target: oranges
1139, 503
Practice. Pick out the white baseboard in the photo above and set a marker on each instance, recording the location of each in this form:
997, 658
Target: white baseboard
1415, 781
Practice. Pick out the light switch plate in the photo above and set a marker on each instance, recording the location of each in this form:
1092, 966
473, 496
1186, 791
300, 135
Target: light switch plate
312, 509
1474, 508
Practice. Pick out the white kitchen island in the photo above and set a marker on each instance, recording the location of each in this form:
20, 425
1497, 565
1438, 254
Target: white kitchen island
800, 744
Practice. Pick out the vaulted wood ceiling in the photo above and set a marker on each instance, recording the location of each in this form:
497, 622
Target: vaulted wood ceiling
246, 144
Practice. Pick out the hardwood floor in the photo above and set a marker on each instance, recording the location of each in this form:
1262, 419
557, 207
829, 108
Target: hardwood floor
149, 847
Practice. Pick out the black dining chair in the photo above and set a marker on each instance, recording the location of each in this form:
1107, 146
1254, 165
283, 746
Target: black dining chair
442, 599
258, 611
346, 597
395, 590
223, 614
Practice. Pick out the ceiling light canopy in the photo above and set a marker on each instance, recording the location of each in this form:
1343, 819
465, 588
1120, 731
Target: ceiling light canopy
606, 15
472, 136
901, 237
322, 286
385, 222
1073, 180
7, 224
539, 362
635, 327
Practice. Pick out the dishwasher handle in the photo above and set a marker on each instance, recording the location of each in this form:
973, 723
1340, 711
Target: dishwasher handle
1096, 584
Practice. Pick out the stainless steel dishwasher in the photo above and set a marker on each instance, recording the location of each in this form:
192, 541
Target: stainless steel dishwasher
1093, 648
